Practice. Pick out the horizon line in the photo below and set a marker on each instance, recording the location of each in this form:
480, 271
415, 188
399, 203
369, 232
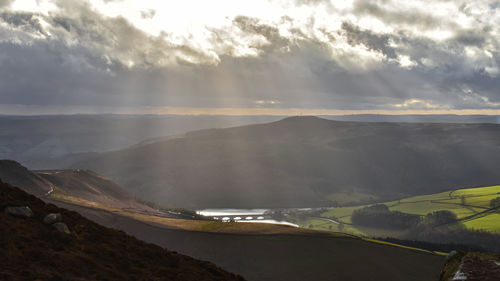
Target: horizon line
27, 110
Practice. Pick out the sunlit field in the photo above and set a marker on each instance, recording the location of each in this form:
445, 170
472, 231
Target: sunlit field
471, 206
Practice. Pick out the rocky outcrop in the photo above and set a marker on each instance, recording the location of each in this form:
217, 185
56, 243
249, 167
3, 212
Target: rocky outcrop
61, 227
472, 267
55, 219
20, 212
52, 218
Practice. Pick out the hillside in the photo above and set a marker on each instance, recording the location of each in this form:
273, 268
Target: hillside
14, 173
279, 253
33, 250
83, 187
257, 251
87, 187
305, 162
470, 205
54, 142
466, 219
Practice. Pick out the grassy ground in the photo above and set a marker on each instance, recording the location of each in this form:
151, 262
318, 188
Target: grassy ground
471, 205
197, 225
316, 227
404, 247
350, 197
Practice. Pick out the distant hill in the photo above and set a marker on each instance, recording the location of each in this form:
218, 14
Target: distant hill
32, 250
305, 162
78, 186
418, 118
39, 142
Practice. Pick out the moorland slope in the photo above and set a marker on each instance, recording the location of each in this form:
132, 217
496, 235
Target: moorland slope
305, 162
34, 250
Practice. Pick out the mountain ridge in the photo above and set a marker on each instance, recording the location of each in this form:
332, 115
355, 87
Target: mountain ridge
300, 161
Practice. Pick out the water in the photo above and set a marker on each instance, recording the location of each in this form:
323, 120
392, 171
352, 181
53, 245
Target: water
242, 215
231, 212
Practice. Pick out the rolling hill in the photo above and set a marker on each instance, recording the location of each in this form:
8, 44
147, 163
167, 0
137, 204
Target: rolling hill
470, 205
305, 162
54, 142
83, 187
259, 252
34, 250
87, 187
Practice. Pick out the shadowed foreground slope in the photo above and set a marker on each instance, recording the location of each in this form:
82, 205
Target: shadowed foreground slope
284, 257
32, 250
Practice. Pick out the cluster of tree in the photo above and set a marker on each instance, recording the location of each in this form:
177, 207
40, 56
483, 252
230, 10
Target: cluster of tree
495, 203
439, 218
381, 217
299, 214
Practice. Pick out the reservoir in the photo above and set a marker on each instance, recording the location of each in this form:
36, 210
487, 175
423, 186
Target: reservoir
242, 215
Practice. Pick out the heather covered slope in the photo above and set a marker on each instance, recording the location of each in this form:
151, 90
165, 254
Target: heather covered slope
33, 250
305, 162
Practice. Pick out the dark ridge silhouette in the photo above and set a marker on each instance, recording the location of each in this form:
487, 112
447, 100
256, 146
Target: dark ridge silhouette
32, 250
299, 161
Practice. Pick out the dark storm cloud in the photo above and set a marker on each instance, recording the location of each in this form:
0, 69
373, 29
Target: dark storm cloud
271, 33
471, 37
371, 40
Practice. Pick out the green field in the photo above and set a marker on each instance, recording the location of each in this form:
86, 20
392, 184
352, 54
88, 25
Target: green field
351, 197
471, 205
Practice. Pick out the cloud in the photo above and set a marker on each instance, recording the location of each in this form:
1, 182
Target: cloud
411, 16
376, 55
372, 41
148, 14
417, 104
5, 3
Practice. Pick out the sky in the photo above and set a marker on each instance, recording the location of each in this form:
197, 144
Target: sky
233, 57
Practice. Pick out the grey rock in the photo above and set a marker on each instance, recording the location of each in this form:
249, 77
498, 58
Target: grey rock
61, 227
52, 218
20, 212
451, 254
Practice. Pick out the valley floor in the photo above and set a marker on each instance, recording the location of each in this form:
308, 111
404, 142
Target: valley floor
282, 256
